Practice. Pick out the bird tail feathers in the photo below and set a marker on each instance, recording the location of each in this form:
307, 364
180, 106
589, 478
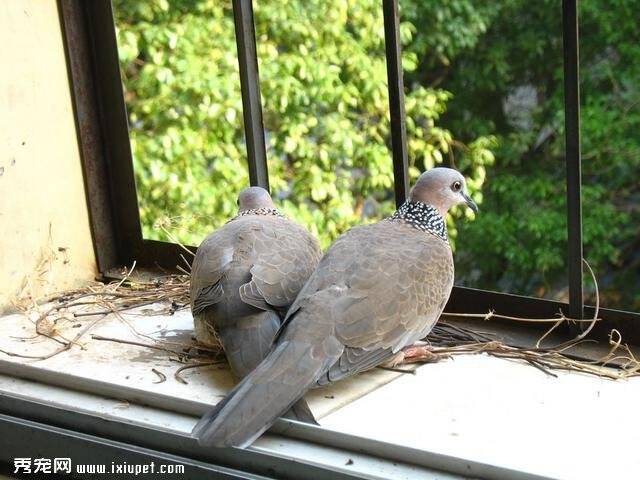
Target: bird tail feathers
301, 412
261, 397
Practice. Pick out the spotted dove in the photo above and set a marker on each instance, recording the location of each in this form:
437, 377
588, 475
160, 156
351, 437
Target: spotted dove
244, 278
378, 289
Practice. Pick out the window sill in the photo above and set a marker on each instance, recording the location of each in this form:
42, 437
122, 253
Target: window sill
473, 415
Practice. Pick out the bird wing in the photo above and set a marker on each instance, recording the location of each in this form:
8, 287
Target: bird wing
379, 288
285, 255
213, 259
281, 255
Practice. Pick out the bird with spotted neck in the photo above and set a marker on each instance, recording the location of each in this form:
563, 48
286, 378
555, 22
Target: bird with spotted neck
244, 278
377, 290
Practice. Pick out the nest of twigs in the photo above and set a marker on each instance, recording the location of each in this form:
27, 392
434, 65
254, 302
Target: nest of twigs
170, 293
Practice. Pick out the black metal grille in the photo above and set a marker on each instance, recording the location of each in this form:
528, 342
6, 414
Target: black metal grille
396, 99
572, 154
89, 27
250, 87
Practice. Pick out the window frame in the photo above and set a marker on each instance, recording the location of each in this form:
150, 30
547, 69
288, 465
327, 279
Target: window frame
91, 438
30, 425
102, 125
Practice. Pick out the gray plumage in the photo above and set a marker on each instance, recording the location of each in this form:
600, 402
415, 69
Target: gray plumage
246, 275
378, 289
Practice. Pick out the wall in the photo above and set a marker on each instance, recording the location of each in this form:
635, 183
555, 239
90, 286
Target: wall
45, 241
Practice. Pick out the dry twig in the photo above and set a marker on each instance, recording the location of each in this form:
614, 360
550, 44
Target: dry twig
179, 377
161, 376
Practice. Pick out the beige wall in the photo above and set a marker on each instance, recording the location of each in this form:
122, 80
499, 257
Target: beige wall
45, 241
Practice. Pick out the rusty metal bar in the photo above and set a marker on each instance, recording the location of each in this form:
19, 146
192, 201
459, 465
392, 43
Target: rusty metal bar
103, 136
90, 140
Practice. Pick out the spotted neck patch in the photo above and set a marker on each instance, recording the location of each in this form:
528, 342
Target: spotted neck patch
259, 211
423, 217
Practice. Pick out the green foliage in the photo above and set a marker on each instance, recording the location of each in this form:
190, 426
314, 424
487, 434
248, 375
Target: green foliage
483, 79
325, 101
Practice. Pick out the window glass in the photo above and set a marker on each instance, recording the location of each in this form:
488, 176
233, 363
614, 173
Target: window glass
182, 91
324, 83
323, 73
610, 69
484, 93
502, 64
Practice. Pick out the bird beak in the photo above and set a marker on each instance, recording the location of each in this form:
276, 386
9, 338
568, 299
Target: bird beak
470, 203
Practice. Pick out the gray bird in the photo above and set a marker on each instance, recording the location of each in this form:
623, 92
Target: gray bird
244, 278
378, 289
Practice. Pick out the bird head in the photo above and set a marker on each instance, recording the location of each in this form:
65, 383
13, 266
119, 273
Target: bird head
442, 188
253, 198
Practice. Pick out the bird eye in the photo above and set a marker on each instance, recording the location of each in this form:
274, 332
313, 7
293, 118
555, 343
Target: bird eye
456, 186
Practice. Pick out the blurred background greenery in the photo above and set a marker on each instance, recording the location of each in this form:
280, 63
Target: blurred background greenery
483, 93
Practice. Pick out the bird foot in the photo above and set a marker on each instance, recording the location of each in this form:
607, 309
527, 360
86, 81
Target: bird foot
421, 353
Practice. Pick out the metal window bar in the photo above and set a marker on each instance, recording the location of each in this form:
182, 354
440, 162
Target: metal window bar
572, 154
89, 28
250, 87
396, 99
